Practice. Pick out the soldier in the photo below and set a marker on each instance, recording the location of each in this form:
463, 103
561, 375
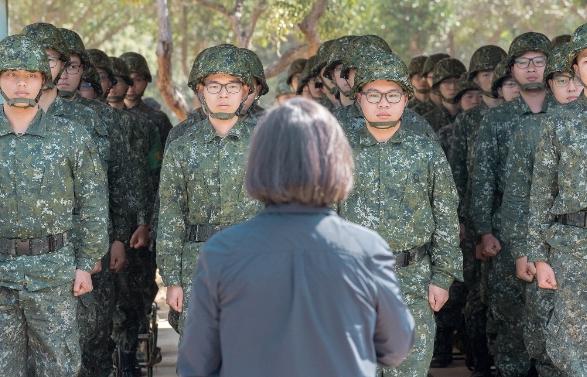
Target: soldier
526, 58
283, 92
520, 163
556, 228
202, 178
419, 82
484, 62
294, 72
311, 86
404, 191
48, 166
428, 73
96, 344
468, 95
333, 68
329, 88
261, 88
503, 85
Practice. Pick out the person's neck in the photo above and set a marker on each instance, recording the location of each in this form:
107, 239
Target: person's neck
345, 101
117, 105
221, 126
452, 108
422, 97
382, 135
20, 118
491, 102
130, 104
534, 99
47, 98
435, 98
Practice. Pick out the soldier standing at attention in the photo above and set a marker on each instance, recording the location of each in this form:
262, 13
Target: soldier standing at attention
419, 82
428, 73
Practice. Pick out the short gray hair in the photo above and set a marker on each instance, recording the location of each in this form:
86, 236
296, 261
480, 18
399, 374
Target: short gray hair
299, 154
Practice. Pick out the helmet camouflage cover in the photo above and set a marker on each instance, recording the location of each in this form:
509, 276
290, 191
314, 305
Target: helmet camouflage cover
417, 65
120, 69
306, 74
99, 59
500, 74
447, 68
324, 52
20, 52
297, 66
282, 89
560, 39
257, 70
463, 87
531, 41
338, 51
387, 66
361, 56
557, 61
92, 77
431, 62
49, 37
485, 58
578, 42
224, 58
75, 45
137, 63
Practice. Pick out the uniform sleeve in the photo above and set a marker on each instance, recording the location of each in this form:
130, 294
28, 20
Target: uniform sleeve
172, 217
445, 253
542, 194
484, 178
92, 199
140, 178
458, 161
120, 167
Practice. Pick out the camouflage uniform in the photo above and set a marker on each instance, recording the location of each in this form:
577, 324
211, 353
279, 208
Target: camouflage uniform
415, 68
493, 145
556, 227
413, 207
51, 168
202, 180
258, 73
425, 107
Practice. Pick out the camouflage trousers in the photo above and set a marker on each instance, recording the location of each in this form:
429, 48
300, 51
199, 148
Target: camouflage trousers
566, 332
188, 268
95, 314
414, 281
506, 304
135, 292
39, 332
450, 320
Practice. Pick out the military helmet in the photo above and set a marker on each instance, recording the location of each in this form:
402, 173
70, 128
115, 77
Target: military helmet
578, 43
560, 39
306, 74
369, 40
100, 60
557, 61
224, 58
360, 57
49, 37
463, 87
120, 69
500, 74
447, 68
322, 56
416, 65
530, 41
257, 70
282, 89
387, 66
137, 63
92, 77
75, 45
294, 68
20, 52
485, 58
339, 49
431, 62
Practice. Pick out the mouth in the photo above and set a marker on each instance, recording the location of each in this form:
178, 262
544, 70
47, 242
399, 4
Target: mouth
532, 78
383, 115
22, 94
572, 98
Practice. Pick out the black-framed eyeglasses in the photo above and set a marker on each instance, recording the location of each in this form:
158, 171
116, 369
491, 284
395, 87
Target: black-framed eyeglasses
375, 97
564, 81
231, 87
73, 68
538, 61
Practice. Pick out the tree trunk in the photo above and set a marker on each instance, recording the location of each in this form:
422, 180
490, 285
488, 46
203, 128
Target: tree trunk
173, 98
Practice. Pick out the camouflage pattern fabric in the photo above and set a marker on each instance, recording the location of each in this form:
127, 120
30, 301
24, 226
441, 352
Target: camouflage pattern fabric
530, 41
439, 117
485, 58
417, 65
212, 170
558, 187
557, 61
22, 52
404, 191
138, 64
223, 58
431, 62
384, 66
421, 107
447, 68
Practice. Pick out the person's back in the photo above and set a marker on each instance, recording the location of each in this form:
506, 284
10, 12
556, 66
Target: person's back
296, 290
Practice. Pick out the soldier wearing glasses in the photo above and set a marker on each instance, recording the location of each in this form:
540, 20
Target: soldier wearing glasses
405, 192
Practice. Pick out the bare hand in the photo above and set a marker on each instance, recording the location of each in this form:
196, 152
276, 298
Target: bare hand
97, 268
525, 270
437, 297
545, 276
175, 297
479, 253
490, 246
82, 283
141, 237
117, 256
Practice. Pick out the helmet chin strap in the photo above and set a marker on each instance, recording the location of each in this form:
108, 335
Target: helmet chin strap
380, 125
67, 94
488, 94
532, 86
16, 102
422, 91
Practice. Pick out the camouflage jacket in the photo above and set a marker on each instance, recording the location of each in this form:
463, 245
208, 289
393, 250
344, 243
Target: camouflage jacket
559, 182
43, 173
518, 170
422, 108
491, 151
405, 192
202, 182
351, 117
160, 119
439, 117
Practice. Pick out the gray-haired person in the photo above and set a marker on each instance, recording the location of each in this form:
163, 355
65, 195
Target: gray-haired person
296, 290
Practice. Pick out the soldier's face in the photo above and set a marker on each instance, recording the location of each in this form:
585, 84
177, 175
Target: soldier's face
565, 88
529, 76
137, 89
448, 88
55, 63
105, 81
341, 82
295, 81
228, 99
419, 82
484, 80
580, 67
470, 99
510, 90
72, 75
430, 79
21, 84
86, 90
251, 98
384, 111
117, 91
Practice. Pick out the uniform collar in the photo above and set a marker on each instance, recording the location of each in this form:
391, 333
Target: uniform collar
57, 108
367, 140
37, 126
523, 108
236, 132
297, 208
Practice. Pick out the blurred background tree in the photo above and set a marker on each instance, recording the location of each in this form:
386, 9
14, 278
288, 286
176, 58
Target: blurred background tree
282, 30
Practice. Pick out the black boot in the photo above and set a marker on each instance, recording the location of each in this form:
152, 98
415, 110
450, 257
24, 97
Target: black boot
128, 365
442, 348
